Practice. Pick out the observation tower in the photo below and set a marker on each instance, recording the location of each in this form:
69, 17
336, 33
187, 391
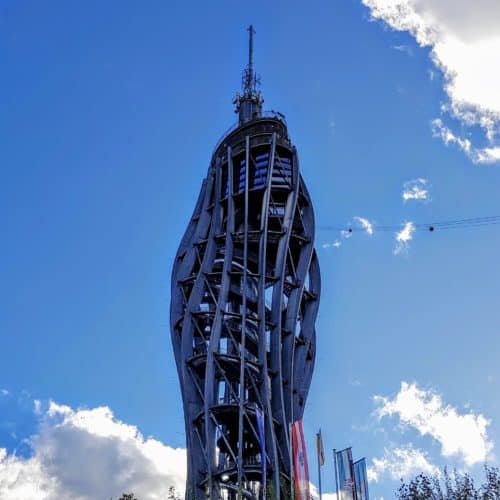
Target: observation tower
245, 295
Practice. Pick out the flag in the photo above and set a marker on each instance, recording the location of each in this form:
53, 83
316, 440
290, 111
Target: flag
361, 479
259, 416
319, 447
346, 474
300, 467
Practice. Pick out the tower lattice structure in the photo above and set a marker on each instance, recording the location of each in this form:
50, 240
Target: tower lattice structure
245, 295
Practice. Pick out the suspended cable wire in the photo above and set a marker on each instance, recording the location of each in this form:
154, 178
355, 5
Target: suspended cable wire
429, 226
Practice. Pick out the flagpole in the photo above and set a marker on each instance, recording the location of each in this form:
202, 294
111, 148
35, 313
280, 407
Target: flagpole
318, 444
336, 472
353, 476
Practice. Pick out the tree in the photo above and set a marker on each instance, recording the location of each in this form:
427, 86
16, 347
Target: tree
444, 487
172, 494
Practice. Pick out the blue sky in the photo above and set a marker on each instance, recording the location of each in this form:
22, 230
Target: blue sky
109, 112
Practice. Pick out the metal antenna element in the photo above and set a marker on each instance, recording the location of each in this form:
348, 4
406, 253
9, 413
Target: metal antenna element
250, 80
249, 104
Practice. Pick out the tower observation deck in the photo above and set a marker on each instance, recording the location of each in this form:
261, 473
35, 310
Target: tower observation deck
245, 295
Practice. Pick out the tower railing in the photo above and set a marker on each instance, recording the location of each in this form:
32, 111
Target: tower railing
276, 115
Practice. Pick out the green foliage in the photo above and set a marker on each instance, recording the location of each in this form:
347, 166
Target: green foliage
286, 489
270, 493
445, 487
172, 494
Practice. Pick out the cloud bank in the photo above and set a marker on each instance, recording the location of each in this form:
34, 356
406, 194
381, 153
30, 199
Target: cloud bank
88, 454
460, 435
464, 39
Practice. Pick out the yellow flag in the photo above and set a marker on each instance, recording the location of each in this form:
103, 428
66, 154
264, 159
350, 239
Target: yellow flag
321, 451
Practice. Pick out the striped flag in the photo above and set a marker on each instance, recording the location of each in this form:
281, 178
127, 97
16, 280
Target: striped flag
346, 474
361, 480
300, 467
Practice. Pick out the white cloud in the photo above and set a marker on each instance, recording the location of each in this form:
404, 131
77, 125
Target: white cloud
416, 189
401, 463
37, 407
335, 244
4, 392
365, 224
477, 155
404, 237
460, 435
403, 48
89, 454
465, 45
315, 493
345, 234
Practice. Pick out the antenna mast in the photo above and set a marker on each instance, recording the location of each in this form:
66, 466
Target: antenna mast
249, 104
250, 82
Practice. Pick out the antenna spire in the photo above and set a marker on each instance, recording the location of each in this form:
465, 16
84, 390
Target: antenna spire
251, 80
249, 104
